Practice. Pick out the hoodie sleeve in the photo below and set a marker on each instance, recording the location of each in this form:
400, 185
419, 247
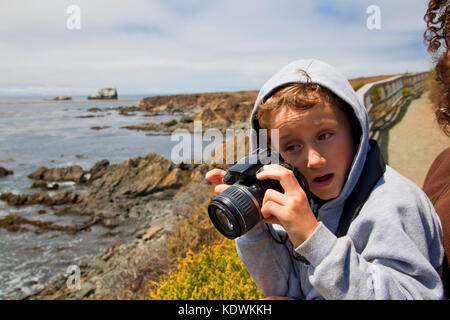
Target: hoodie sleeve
393, 250
397, 254
268, 262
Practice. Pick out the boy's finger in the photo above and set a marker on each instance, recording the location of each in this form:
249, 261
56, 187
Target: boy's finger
272, 220
286, 177
273, 195
221, 188
270, 208
215, 176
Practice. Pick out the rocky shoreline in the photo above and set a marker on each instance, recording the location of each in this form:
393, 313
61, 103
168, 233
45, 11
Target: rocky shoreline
141, 201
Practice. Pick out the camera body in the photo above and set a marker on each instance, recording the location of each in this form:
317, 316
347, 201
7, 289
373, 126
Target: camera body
238, 208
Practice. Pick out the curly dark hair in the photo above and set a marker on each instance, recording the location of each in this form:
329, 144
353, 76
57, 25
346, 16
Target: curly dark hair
437, 36
438, 24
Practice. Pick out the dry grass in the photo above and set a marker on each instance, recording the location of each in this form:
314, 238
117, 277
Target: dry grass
356, 82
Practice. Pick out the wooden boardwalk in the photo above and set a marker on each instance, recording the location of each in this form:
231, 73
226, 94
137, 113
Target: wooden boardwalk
413, 140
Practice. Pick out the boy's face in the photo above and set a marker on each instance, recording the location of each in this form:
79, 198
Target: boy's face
318, 142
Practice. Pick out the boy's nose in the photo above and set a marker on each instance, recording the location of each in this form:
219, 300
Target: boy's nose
315, 159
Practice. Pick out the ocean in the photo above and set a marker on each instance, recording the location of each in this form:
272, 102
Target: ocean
36, 133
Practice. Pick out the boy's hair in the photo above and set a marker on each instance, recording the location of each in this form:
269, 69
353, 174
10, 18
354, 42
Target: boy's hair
303, 96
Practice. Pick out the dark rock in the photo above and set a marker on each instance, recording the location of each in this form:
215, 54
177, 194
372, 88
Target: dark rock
100, 128
147, 126
64, 197
95, 109
4, 172
38, 173
171, 122
110, 223
14, 223
59, 98
86, 289
186, 119
43, 185
86, 116
73, 173
98, 170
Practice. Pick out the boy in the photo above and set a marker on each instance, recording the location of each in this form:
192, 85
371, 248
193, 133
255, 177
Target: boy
392, 250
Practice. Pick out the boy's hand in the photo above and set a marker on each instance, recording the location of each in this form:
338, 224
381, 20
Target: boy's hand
216, 176
291, 209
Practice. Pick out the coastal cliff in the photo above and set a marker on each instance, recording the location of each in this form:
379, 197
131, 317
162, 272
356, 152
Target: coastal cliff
219, 110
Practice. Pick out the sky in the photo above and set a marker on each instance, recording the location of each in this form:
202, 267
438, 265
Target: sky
171, 46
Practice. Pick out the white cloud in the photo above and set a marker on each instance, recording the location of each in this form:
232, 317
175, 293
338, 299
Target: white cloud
171, 46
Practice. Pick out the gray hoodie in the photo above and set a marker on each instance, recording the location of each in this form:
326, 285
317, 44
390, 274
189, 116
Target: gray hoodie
392, 250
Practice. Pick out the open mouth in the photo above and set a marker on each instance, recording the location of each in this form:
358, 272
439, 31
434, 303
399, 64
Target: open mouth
323, 181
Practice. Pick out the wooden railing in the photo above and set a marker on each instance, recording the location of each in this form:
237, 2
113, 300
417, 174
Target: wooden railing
389, 92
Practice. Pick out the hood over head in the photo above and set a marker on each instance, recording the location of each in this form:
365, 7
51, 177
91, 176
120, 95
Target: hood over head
328, 77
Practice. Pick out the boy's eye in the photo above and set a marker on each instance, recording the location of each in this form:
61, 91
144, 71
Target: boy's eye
292, 147
325, 136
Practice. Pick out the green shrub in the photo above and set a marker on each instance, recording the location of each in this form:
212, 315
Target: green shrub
214, 273
375, 95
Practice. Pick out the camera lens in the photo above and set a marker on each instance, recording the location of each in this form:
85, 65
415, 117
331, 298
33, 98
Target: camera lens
223, 220
236, 210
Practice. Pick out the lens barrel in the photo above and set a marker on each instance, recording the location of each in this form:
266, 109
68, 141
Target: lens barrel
236, 210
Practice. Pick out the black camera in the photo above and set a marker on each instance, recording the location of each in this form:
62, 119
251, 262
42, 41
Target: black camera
238, 208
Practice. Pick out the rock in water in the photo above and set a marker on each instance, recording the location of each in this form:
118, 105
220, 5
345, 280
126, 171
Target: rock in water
4, 172
104, 93
59, 98
73, 173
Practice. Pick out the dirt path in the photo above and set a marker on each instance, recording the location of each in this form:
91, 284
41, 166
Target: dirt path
414, 141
